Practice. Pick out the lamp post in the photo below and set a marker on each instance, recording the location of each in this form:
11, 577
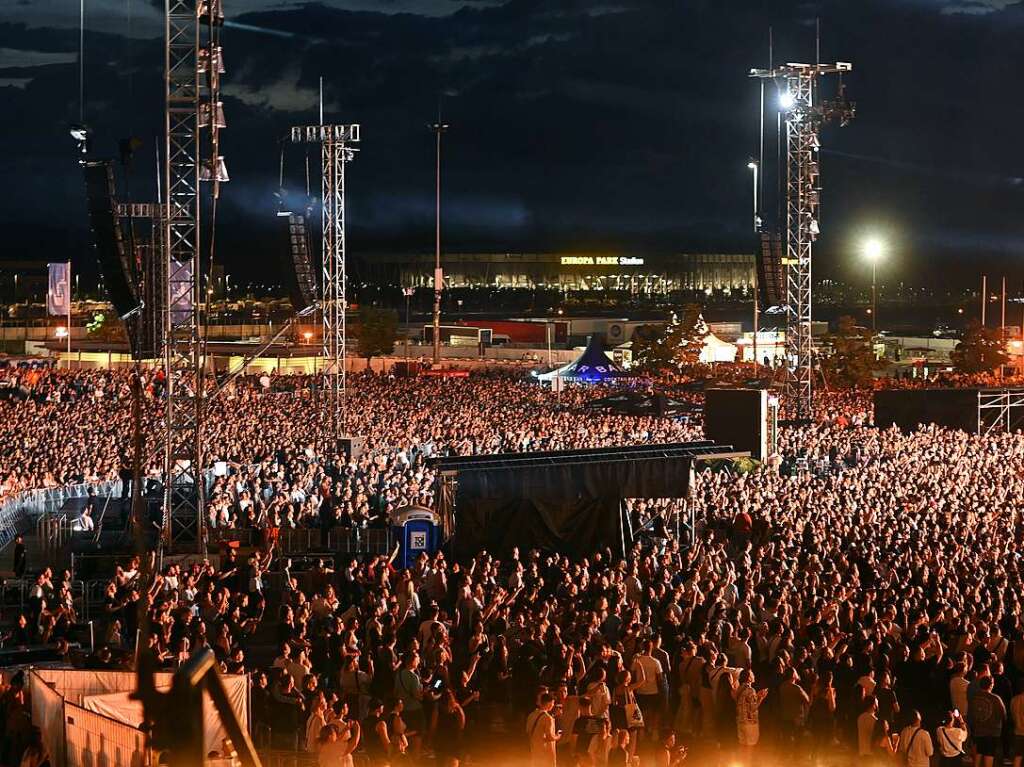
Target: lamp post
407, 292
752, 165
438, 128
874, 249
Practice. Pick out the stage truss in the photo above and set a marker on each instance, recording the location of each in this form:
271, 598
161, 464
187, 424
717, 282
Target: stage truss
192, 66
805, 116
1000, 411
335, 153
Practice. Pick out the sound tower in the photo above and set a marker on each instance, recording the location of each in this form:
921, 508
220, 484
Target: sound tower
771, 280
111, 254
297, 267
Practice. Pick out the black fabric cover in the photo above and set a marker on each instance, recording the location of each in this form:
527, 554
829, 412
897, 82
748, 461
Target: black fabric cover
566, 506
908, 408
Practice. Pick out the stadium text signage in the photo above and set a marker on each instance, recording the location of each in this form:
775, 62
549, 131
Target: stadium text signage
602, 261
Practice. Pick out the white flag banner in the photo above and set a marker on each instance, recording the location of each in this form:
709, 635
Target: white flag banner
58, 297
181, 291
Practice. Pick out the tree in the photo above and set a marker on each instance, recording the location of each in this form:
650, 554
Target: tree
674, 346
686, 337
651, 353
377, 331
852, 359
981, 350
100, 328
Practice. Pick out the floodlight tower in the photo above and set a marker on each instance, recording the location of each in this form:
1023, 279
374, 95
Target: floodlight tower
805, 115
335, 143
193, 117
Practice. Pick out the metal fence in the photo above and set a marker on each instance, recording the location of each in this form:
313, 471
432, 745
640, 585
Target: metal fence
302, 540
18, 511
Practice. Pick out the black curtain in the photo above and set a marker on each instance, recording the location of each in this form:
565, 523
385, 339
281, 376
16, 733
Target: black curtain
571, 507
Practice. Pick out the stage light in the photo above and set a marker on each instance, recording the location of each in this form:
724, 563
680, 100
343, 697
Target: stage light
82, 136
217, 110
214, 169
786, 101
307, 336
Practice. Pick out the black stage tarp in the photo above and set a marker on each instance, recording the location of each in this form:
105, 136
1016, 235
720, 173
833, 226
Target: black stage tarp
909, 408
566, 501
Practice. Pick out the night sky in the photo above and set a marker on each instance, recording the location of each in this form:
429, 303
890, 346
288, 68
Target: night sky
614, 124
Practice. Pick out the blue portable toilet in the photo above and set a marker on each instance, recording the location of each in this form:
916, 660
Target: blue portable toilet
417, 529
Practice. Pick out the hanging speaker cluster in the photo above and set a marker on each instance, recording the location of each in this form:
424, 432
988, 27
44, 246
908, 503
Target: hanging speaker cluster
771, 280
111, 254
296, 265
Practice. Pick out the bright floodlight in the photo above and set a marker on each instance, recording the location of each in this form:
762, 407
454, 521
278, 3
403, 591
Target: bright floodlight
786, 101
874, 249
752, 165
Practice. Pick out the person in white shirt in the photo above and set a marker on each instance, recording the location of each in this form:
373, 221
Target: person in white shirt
541, 732
648, 694
85, 522
950, 738
958, 688
916, 743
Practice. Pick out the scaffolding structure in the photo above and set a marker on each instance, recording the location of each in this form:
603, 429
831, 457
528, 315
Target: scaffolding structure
335, 153
805, 116
1000, 410
192, 68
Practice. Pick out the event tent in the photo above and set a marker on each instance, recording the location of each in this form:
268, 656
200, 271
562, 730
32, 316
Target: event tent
717, 350
87, 717
592, 366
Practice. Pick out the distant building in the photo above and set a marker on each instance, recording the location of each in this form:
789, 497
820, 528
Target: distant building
571, 272
22, 280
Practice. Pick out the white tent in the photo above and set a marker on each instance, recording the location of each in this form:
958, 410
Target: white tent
64, 702
717, 350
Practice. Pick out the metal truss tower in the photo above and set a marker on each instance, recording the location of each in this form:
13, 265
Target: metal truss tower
805, 115
336, 152
192, 67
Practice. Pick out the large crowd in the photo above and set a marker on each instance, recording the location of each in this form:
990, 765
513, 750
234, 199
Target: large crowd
862, 596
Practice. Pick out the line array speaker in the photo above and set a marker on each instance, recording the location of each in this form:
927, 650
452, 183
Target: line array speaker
297, 267
771, 281
111, 254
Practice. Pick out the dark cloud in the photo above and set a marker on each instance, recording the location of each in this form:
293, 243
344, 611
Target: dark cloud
572, 123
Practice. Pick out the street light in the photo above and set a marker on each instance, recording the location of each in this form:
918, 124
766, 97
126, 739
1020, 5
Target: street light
752, 166
438, 128
874, 250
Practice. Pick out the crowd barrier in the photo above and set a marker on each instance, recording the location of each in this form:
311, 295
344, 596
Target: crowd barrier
93, 739
19, 510
302, 540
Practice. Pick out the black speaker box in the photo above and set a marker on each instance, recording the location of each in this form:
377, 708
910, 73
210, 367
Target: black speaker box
297, 267
111, 253
771, 278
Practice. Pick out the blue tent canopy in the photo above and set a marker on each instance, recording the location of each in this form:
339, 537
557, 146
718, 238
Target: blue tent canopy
592, 366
